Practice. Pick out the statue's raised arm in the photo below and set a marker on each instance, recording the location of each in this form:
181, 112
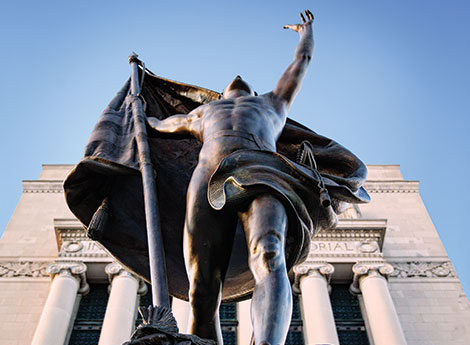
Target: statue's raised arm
291, 81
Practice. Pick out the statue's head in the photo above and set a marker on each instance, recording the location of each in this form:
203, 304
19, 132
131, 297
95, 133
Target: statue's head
238, 88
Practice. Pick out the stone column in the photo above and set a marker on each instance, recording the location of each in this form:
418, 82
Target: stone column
180, 310
319, 324
245, 328
68, 279
370, 280
119, 318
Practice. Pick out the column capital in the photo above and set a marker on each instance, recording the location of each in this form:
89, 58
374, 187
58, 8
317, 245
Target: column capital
73, 269
368, 269
312, 269
114, 270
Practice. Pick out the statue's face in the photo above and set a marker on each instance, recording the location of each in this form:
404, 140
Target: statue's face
238, 88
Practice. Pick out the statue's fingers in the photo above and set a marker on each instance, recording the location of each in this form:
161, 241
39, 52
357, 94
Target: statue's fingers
302, 18
309, 14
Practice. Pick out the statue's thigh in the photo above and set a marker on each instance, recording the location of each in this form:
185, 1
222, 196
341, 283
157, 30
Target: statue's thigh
208, 240
266, 216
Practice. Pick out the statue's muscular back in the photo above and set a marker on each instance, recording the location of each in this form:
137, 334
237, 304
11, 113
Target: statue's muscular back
225, 126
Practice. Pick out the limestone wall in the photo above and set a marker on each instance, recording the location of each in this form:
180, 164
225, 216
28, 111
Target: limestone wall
21, 303
27, 246
432, 313
30, 231
428, 296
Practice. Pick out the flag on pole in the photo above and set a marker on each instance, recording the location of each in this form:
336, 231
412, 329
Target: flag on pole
109, 171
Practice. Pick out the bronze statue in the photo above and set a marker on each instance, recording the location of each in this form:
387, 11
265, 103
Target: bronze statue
258, 175
239, 121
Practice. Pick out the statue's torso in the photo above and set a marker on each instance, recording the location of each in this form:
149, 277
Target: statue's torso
252, 122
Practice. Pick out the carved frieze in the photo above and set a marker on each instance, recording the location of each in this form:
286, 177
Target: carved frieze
416, 269
18, 269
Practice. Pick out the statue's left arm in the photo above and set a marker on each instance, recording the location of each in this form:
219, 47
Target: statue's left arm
177, 124
291, 81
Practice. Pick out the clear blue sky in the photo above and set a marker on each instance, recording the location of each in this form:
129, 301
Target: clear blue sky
390, 80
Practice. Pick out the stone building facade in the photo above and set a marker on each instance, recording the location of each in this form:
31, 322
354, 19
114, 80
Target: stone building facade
382, 277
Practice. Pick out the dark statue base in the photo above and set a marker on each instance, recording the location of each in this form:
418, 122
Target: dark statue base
159, 328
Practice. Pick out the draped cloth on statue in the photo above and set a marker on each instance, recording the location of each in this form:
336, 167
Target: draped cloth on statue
110, 169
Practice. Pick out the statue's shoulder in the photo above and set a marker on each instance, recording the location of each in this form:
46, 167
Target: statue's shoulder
201, 109
278, 103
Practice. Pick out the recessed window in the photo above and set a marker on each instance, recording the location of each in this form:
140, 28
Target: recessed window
87, 325
229, 323
348, 316
295, 335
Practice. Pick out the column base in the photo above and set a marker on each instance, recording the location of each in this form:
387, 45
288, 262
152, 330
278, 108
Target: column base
159, 328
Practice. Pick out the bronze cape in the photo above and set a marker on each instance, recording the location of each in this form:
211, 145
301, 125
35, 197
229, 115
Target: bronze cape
110, 169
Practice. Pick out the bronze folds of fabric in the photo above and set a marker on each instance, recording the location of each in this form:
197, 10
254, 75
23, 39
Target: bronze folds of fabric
110, 170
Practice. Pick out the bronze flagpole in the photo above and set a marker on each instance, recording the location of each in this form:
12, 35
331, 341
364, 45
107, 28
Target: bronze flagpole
156, 251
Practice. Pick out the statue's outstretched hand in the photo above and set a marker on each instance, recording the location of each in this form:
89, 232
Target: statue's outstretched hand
305, 22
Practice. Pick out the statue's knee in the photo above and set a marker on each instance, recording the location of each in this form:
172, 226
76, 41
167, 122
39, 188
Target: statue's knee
267, 252
203, 295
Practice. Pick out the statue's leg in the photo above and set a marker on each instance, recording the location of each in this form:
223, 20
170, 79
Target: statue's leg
265, 224
208, 239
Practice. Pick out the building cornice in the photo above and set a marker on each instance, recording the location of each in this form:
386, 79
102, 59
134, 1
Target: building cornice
358, 223
43, 186
377, 186
398, 186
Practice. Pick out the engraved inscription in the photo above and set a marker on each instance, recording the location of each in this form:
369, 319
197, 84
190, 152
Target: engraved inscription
333, 246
